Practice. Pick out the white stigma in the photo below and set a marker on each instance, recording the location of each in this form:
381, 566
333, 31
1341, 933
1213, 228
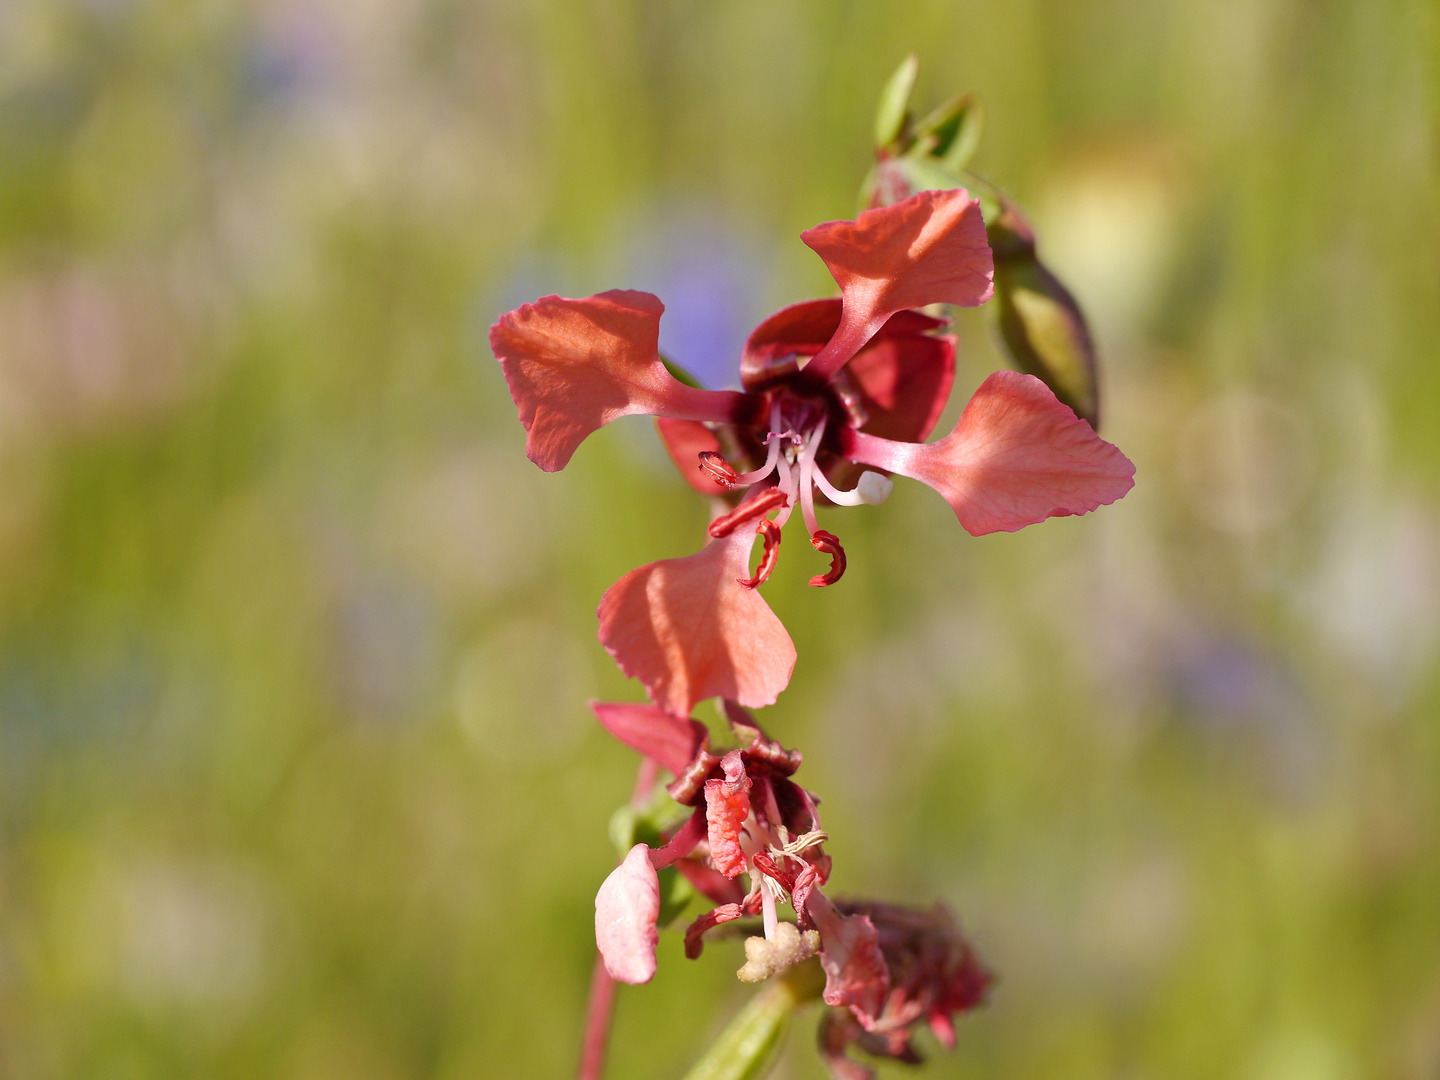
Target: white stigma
874, 488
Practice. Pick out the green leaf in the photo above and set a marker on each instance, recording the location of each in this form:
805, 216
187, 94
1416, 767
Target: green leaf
894, 102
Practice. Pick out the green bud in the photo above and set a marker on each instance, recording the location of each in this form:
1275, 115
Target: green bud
951, 133
749, 1043
891, 113
1042, 326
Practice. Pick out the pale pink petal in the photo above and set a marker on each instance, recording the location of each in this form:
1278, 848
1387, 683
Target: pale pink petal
575, 365
1016, 457
688, 630
670, 740
855, 971
626, 909
727, 805
927, 249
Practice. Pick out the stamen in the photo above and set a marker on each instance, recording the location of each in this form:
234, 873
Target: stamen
773, 440
787, 485
746, 512
767, 910
807, 472
829, 544
771, 532
872, 490
718, 469
771, 457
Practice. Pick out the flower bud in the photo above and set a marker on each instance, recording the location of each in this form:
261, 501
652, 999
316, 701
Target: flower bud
1041, 324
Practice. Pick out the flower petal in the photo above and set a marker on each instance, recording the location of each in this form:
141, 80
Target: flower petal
803, 329
855, 970
575, 365
1016, 457
626, 909
927, 249
904, 383
685, 441
688, 630
727, 805
669, 740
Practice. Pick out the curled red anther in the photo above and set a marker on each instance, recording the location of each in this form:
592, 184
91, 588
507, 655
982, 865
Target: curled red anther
829, 544
717, 468
759, 506
771, 532
766, 865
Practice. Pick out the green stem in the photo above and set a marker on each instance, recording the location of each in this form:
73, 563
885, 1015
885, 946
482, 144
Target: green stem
747, 1047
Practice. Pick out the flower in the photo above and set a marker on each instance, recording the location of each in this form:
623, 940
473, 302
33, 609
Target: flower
887, 967
837, 394
926, 971
749, 817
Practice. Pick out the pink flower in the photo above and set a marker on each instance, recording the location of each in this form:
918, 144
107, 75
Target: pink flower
837, 395
749, 817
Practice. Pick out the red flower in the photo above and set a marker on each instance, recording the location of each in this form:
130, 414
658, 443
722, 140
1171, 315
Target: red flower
749, 817
927, 972
830, 387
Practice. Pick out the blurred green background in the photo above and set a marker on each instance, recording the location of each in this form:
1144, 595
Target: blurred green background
296, 774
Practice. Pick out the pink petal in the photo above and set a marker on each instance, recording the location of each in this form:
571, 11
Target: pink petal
670, 740
684, 441
626, 909
727, 805
904, 383
855, 971
575, 365
1016, 457
688, 630
927, 249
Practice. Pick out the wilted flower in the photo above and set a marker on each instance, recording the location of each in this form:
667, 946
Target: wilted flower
749, 817
927, 972
837, 394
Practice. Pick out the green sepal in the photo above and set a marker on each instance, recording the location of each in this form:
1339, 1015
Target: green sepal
891, 113
747, 1047
680, 373
951, 133
629, 826
676, 892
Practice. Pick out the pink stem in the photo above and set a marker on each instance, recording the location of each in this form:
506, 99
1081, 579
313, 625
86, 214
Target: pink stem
597, 1023
601, 1006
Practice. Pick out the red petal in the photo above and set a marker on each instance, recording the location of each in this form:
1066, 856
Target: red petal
904, 382
1016, 457
855, 971
575, 365
670, 740
727, 805
711, 884
803, 329
688, 630
927, 249
626, 909
685, 441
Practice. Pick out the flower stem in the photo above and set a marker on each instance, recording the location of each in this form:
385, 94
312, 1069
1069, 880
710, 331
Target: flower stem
597, 1023
746, 1048
601, 1006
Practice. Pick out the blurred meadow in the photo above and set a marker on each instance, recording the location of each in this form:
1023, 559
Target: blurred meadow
296, 774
